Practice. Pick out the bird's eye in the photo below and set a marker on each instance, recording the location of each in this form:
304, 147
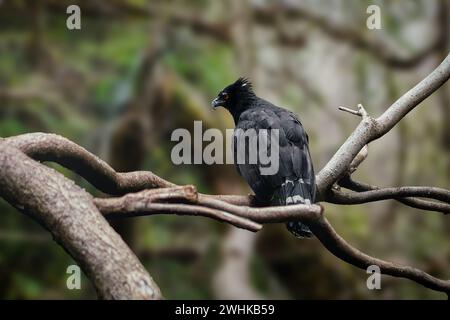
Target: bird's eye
225, 96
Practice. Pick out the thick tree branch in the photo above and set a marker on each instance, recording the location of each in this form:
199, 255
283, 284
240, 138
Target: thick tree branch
51, 147
68, 212
335, 195
370, 129
55, 148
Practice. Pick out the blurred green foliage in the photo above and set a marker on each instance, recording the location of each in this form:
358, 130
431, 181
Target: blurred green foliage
79, 83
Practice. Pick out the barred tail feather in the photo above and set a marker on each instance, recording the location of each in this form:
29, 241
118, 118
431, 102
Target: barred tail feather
296, 192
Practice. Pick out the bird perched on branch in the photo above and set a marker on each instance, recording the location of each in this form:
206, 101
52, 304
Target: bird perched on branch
294, 181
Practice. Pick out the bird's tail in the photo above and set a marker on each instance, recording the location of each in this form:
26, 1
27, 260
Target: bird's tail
296, 192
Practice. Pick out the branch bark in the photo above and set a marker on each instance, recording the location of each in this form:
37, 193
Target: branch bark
68, 212
54, 148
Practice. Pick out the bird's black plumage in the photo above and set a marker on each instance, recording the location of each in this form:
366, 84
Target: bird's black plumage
294, 182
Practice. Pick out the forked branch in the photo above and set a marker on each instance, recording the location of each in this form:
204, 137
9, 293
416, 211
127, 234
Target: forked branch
370, 128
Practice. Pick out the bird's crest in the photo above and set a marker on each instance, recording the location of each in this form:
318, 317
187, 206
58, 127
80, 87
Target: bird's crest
243, 83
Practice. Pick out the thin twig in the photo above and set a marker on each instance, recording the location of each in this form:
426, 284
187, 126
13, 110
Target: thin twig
351, 111
422, 204
361, 112
389, 193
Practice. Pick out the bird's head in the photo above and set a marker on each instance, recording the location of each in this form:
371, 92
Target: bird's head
235, 96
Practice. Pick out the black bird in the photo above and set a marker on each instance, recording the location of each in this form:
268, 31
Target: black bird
294, 182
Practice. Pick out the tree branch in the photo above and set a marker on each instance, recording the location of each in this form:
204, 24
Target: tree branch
344, 251
267, 214
370, 129
349, 183
390, 193
68, 213
148, 202
54, 148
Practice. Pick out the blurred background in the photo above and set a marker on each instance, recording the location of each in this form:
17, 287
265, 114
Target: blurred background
139, 69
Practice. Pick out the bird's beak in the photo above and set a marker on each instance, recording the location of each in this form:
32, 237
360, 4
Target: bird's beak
217, 102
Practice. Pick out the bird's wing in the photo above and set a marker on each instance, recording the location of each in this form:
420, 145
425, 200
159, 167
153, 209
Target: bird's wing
296, 152
294, 157
256, 119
